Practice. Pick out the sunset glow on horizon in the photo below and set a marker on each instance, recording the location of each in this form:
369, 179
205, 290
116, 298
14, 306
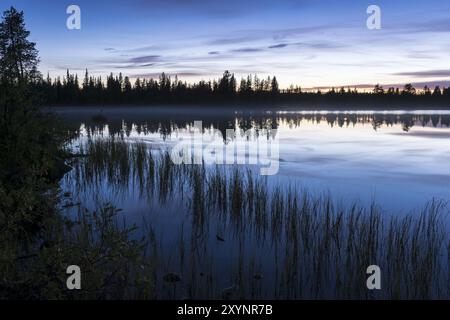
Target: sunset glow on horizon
312, 44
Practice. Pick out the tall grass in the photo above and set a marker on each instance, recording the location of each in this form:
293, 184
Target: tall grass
285, 242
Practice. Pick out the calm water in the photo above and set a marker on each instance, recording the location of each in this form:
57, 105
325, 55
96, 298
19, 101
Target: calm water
398, 159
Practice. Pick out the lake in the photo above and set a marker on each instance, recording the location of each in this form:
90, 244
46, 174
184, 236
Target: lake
399, 159
396, 161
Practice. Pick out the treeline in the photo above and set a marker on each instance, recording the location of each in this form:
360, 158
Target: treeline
119, 89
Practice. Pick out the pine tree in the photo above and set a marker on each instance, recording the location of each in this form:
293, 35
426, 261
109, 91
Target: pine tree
18, 55
274, 86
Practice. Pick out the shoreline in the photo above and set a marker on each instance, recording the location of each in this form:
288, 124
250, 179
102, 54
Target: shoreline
284, 109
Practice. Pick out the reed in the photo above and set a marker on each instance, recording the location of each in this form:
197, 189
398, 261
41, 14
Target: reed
316, 248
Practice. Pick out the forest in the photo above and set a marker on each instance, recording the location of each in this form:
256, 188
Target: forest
119, 89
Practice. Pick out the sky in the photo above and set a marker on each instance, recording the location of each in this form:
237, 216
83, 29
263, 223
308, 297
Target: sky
310, 43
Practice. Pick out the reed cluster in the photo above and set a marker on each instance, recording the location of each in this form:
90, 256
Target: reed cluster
285, 242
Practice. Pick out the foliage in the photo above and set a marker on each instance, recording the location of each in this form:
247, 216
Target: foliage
37, 242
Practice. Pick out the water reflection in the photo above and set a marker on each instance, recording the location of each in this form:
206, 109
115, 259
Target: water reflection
398, 158
308, 232
124, 121
251, 238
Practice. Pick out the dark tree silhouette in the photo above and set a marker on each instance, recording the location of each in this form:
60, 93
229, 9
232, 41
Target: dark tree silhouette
408, 90
274, 86
437, 91
252, 89
378, 89
18, 55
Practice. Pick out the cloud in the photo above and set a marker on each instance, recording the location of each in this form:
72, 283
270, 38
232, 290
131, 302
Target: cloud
311, 45
155, 75
320, 45
130, 63
132, 66
246, 50
245, 36
425, 74
425, 55
234, 40
144, 48
145, 59
280, 34
437, 25
278, 46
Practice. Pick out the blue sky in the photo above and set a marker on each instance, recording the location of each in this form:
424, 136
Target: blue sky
312, 43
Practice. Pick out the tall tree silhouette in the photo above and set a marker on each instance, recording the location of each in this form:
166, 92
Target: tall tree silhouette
274, 86
29, 145
18, 55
